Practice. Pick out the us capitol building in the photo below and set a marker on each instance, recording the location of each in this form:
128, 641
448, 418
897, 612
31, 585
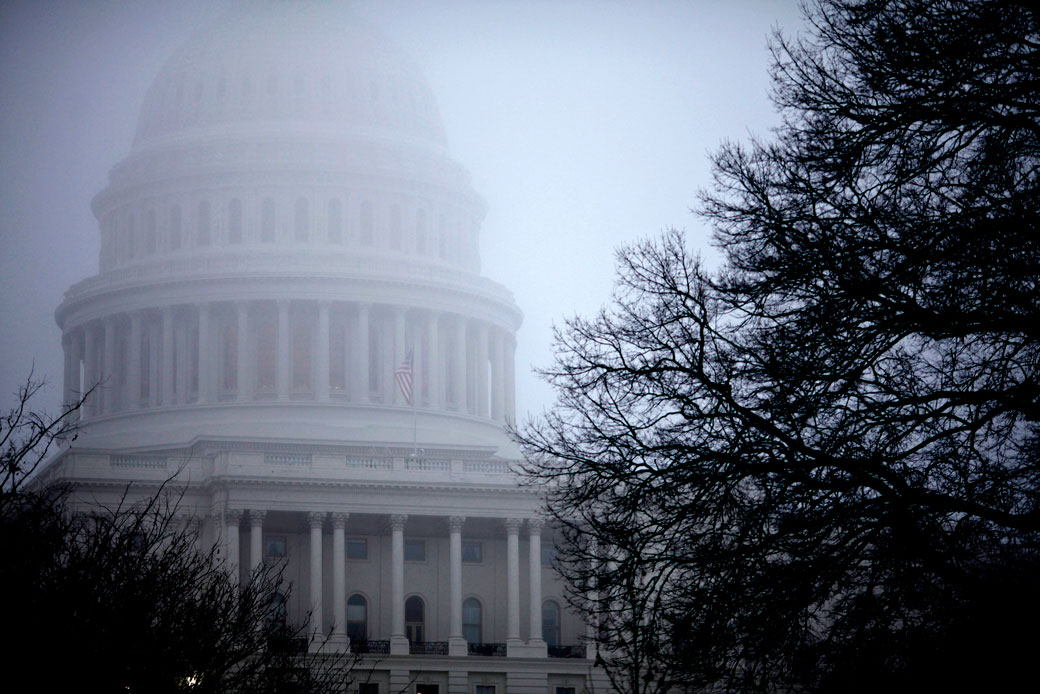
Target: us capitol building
287, 231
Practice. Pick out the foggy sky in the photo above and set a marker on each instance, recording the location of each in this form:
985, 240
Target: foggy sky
584, 125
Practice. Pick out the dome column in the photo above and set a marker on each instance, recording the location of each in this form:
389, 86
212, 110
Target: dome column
510, 378
399, 356
154, 366
108, 374
282, 375
205, 356
459, 385
90, 371
433, 360
243, 391
133, 380
167, 356
361, 364
321, 353
497, 376
482, 371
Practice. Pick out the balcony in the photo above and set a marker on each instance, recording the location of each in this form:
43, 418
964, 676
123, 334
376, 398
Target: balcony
381, 647
566, 651
428, 648
489, 649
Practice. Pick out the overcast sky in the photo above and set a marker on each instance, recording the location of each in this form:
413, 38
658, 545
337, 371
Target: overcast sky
585, 125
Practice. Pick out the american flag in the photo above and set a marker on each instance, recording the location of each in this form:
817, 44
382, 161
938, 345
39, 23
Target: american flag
403, 375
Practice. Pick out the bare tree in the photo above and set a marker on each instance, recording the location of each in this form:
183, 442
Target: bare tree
825, 453
121, 599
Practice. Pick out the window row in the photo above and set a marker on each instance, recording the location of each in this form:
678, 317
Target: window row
198, 228
415, 618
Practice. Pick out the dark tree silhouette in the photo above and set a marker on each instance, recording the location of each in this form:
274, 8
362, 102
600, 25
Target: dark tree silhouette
821, 460
121, 599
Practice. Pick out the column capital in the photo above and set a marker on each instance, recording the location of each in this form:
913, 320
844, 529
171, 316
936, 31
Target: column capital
455, 523
398, 520
232, 516
316, 519
534, 525
339, 520
256, 517
513, 525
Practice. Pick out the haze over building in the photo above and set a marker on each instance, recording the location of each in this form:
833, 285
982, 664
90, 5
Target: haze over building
287, 252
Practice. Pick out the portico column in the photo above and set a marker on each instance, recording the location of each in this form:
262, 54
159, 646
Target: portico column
455, 544
256, 538
497, 374
534, 528
205, 355
339, 579
110, 387
433, 360
167, 356
134, 371
231, 520
242, 385
397, 635
316, 521
482, 370
282, 372
460, 364
513, 578
361, 378
321, 387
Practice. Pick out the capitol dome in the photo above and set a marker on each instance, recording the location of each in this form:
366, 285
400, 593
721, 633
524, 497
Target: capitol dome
287, 227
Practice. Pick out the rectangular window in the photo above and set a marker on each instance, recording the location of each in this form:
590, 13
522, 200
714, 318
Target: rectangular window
427, 689
548, 553
274, 547
565, 690
415, 550
368, 688
484, 689
472, 551
357, 548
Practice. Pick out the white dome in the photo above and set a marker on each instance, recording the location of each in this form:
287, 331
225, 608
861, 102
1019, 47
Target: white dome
290, 63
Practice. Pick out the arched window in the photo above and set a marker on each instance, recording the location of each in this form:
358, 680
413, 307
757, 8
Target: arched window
301, 221
235, 221
267, 232
551, 623
335, 221
175, 228
415, 619
203, 223
471, 621
366, 223
357, 618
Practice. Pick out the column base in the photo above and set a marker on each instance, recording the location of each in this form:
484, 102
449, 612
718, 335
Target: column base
517, 648
399, 645
537, 648
457, 646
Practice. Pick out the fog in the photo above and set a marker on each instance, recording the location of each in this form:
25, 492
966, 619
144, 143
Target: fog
584, 125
